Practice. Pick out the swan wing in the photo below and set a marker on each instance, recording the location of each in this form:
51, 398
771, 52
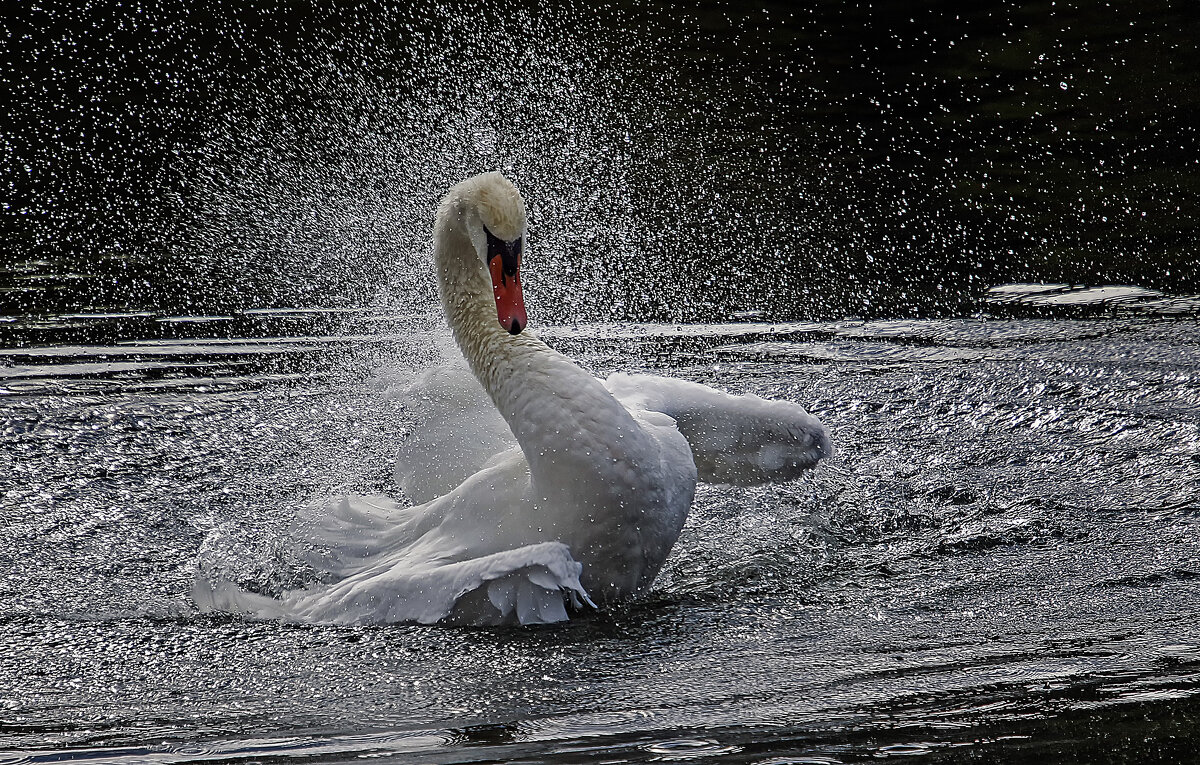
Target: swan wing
471, 556
455, 432
533, 584
734, 439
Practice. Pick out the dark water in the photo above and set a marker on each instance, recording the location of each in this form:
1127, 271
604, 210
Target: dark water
1000, 563
215, 278
871, 159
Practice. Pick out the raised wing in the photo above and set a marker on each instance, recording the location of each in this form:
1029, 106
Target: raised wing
455, 432
734, 439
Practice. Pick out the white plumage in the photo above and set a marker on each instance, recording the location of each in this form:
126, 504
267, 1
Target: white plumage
539, 488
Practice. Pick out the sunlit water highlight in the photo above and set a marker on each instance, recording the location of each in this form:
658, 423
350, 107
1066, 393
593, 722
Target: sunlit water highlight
214, 280
1007, 537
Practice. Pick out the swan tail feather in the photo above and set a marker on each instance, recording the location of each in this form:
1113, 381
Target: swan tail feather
224, 596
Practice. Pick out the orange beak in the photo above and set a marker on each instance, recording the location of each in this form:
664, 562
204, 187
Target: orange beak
510, 302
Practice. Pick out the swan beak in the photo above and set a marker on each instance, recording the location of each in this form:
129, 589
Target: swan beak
506, 286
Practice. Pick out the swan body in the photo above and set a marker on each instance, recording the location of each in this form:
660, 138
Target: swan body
538, 488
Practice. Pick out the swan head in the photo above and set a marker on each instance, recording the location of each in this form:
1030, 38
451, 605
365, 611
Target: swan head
493, 213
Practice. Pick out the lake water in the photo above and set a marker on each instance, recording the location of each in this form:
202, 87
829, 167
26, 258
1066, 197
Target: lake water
965, 240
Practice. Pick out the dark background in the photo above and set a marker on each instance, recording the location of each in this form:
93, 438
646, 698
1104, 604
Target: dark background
681, 163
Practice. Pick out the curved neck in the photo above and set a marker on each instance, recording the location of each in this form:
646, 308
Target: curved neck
562, 417
465, 292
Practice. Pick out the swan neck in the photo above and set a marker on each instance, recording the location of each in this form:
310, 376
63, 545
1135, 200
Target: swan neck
465, 292
560, 414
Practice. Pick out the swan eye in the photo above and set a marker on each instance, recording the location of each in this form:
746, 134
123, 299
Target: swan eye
508, 252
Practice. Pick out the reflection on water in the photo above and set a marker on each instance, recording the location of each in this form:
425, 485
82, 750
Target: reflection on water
972, 573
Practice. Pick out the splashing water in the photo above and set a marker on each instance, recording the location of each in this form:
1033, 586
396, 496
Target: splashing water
677, 167
216, 279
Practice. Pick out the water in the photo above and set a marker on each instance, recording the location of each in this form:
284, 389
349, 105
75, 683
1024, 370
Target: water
215, 279
1001, 558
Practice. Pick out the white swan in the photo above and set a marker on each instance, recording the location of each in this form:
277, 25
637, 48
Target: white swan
563, 492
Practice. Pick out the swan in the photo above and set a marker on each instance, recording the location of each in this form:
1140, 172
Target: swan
563, 493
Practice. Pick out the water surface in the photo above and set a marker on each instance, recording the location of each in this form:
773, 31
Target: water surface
964, 238
1002, 554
